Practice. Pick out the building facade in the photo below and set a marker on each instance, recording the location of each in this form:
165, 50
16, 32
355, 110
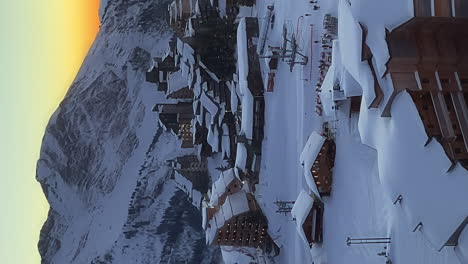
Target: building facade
177, 118
429, 59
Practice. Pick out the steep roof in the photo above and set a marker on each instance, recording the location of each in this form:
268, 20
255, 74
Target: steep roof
308, 156
219, 187
300, 211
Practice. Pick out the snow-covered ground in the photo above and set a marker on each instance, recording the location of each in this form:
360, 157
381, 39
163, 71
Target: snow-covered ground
377, 158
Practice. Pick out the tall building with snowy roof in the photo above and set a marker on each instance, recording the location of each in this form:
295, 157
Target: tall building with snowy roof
429, 59
233, 217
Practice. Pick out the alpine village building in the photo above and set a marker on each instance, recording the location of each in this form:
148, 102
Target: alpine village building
429, 59
204, 109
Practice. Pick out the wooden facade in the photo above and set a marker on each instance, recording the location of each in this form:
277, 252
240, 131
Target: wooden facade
429, 59
194, 170
313, 224
255, 83
322, 168
248, 229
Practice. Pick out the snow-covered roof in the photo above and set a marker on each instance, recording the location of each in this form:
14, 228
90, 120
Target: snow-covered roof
208, 119
189, 30
350, 35
204, 217
308, 156
180, 46
225, 141
209, 104
219, 218
234, 205
188, 54
222, 7
300, 210
175, 82
211, 231
210, 73
242, 55
234, 98
183, 183
196, 198
247, 114
238, 203
173, 11
241, 156
228, 176
218, 188
246, 11
213, 137
326, 93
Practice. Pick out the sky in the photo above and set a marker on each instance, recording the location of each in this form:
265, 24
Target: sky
42, 46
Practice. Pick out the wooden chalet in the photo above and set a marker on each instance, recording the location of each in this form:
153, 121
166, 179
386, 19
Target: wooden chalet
308, 215
318, 159
429, 59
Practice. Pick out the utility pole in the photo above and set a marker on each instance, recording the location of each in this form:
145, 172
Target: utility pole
362, 241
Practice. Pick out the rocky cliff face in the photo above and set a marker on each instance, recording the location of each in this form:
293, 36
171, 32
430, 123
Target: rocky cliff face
102, 158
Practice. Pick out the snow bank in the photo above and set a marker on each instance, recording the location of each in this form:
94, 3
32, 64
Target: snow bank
416, 171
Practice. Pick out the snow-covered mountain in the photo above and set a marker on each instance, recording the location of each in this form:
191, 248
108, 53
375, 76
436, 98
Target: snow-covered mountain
102, 158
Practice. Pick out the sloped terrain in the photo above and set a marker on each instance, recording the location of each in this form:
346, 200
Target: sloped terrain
102, 158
